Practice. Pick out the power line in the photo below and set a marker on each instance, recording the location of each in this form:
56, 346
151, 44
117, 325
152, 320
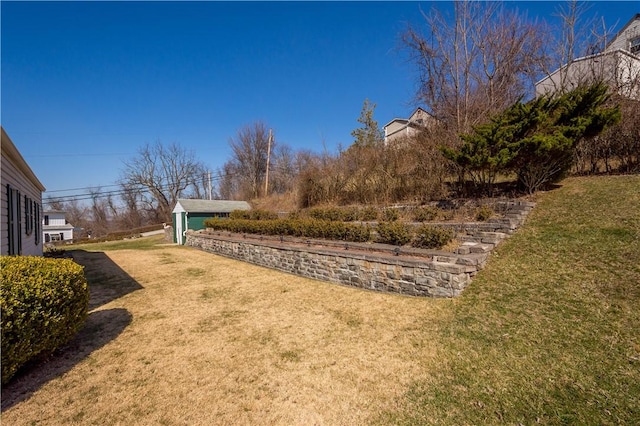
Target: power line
113, 154
84, 188
135, 188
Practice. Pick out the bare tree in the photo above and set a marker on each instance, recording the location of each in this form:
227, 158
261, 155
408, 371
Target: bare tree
567, 65
284, 170
245, 172
99, 212
474, 65
55, 203
166, 173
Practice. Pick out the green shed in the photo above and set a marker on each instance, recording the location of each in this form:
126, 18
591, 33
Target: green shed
190, 214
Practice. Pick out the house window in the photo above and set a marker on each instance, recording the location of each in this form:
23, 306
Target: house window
55, 237
46, 219
28, 215
634, 45
36, 220
14, 221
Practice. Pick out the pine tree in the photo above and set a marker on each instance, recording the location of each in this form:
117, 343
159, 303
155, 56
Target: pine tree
369, 135
536, 139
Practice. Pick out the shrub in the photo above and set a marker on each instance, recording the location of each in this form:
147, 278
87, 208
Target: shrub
483, 213
325, 213
253, 214
447, 214
368, 214
304, 228
390, 215
424, 214
395, 233
44, 302
350, 214
430, 237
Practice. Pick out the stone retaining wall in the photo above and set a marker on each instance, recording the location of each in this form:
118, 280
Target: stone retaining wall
407, 271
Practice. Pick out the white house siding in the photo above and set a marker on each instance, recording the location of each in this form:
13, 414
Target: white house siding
395, 129
401, 128
55, 227
22, 192
617, 66
629, 75
619, 69
581, 71
630, 32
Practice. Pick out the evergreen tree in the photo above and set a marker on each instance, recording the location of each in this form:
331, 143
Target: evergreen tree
536, 140
369, 135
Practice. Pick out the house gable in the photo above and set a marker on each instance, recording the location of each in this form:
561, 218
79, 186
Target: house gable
628, 38
402, 127
21, 206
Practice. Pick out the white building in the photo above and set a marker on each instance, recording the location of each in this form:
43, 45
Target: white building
407, 127
55, 227
618, 66
21, 196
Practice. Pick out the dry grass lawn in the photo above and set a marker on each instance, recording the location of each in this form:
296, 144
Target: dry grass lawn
179, 336
547, 334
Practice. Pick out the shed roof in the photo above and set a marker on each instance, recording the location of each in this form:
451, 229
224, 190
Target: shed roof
210, 206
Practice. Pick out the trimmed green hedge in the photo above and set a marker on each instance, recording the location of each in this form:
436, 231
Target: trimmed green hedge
44, 303
430, 237
304, 228
395, 233
424, 214
253, 214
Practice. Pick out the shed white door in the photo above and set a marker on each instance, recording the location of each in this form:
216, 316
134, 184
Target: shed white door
179, 237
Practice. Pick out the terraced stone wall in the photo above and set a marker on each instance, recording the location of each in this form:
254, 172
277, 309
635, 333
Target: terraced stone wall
406, 271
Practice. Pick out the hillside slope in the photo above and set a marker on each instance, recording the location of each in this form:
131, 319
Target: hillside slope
549, 333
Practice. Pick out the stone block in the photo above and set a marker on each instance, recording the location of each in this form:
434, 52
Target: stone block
481, 248
426, 282
463, 250
444, 259
449, 268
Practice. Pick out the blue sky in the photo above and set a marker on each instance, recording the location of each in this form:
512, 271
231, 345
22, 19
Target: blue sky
86, 84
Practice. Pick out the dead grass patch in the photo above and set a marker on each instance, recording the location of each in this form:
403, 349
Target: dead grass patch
216, 341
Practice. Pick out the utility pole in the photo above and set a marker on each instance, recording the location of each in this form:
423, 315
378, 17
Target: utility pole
266, 178
209, 183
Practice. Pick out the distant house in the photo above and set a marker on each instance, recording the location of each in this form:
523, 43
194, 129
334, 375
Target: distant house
55, 227
21, 204
407, 127
190, 214
618, 66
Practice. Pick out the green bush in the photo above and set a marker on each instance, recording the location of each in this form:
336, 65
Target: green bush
395, 233
303, 228
368, 214
253, 214
430, 237
44, 302
483, 213
424, 214
350, 214
333, 214
390, 215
